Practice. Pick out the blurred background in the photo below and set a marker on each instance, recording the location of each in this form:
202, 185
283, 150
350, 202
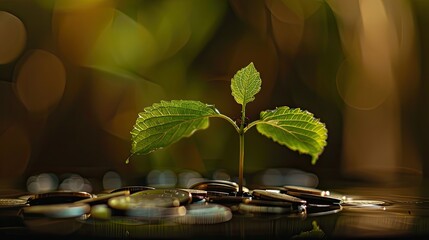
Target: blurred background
75, 73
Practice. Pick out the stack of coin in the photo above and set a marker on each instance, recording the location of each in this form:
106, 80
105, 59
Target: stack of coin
222, 192
207, 202
292, 199
266, 201
55, 212
313, 195
64, 204
319, 202
57, 204
217, 186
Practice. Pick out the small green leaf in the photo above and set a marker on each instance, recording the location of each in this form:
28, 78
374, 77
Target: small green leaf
167, 122
245, 84
294, 128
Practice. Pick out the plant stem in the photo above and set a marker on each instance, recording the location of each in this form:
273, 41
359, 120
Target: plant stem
241, 159
241, 163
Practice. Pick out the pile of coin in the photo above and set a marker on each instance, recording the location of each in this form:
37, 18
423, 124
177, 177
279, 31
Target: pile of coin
207, 202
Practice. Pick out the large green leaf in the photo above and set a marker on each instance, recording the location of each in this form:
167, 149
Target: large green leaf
245, 84
294, 128
167, 122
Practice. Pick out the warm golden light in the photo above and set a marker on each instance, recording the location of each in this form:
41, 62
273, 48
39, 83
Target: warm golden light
13, 37
40, 81
77, 26
369, 83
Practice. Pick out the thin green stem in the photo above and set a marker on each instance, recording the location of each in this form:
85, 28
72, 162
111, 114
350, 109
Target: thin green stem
240, 130
243, 117
241, 159
241, 164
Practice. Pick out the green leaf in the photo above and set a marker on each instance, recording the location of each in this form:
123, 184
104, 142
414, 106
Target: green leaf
294, 128
167, 122
245, 84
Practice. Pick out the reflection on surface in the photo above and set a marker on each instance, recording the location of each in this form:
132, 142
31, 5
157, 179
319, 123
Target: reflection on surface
372, 212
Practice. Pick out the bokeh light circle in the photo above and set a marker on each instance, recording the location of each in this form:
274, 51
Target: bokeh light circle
13, 37
358, 90
40, 81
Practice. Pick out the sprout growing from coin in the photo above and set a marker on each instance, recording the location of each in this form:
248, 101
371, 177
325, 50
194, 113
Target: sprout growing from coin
165, 123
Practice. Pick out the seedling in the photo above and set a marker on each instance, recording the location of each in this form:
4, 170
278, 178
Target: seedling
167, 122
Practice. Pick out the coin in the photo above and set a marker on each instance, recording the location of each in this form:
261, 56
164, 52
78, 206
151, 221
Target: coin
57, 197
205, 214
64, 210
152, 198
9, 211
184, 197
363, 203
315, 199
313, 195
244, 207
197, 195
26, 197
12, 203
268, 195
308, 190
270, 206
132, 189
216, 187
102, 199
224, 182
320, 210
